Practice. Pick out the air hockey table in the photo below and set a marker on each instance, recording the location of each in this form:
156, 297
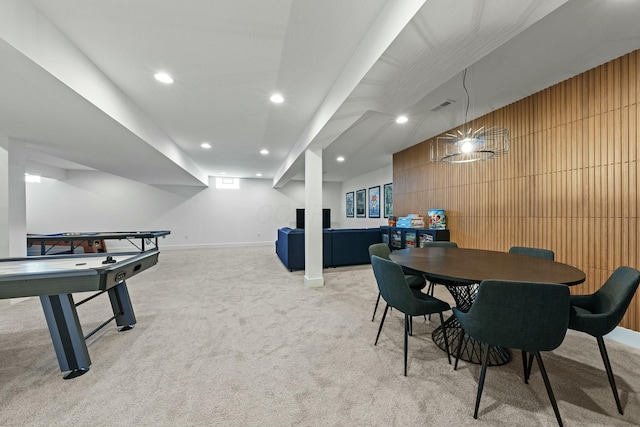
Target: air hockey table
54, 278
93, 241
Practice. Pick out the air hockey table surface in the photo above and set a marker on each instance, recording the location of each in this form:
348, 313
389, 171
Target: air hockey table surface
58, 274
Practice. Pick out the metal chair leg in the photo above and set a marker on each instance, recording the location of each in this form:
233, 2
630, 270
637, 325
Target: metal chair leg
446, 341
459, 349
607, 367
381, 323
430, 291
552, 398
406, 340
485, 358
376, 307
527, 366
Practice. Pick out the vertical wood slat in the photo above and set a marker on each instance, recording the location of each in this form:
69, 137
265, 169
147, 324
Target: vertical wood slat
569, 183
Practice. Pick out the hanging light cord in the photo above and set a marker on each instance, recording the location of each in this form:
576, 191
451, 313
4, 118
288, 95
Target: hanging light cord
464, 78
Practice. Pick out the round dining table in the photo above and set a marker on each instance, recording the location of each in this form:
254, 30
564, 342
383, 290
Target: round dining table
461, 270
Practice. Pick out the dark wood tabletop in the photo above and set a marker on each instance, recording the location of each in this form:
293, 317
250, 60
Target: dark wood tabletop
452, 266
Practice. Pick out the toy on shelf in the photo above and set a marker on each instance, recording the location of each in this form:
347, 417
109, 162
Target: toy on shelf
437, 219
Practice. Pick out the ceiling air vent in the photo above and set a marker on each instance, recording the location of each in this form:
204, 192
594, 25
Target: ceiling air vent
443, 104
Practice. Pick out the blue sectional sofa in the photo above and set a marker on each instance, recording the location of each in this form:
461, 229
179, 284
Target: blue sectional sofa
339, 246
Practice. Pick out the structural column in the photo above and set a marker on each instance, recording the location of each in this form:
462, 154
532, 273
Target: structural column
13, 216
313, 218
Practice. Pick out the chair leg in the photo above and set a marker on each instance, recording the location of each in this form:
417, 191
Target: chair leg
406, 340
411, 326
430, 291
459, 349
376, 307
527, 366
446, 341
485, 359
381, 323
552, 398
607, 367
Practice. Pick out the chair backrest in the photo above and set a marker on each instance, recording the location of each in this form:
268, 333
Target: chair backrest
440, 244
522, 315
379, 249
393, 286
614, 297
536, 252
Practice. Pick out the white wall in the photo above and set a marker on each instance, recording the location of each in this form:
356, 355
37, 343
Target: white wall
379, 177
196, 217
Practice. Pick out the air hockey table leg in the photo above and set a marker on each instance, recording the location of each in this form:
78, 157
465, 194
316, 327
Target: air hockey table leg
66, 334
121, 306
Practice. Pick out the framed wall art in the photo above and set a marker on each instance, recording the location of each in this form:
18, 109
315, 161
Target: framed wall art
350, 204
388, 200
361, 203
374, 202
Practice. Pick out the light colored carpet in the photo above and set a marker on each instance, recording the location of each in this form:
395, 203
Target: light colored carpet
229, 337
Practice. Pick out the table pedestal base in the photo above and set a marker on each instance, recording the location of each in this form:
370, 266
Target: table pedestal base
470, 350
464, 295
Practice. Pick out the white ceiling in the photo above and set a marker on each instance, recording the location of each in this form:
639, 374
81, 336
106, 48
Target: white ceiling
76, 77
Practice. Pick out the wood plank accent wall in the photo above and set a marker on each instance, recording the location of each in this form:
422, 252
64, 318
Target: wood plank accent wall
569, 183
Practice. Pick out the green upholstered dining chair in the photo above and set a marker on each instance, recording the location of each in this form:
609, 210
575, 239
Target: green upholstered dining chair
396, 292
536, 252
599, 313
531, 317
440, 243
415, 281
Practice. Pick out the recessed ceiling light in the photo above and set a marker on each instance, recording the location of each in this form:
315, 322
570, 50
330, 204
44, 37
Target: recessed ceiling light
258, 174
276, 98
340, 159
402, 119
223, 173
205, 145
163, 77
264, 151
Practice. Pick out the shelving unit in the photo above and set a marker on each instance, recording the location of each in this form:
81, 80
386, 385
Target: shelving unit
401, 238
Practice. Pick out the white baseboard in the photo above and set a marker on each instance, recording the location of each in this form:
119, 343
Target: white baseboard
625, 336
166, 247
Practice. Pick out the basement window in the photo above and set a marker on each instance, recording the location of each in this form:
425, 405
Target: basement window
228, 183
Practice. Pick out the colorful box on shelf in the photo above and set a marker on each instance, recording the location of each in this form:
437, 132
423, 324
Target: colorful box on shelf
410, 221
437, 219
